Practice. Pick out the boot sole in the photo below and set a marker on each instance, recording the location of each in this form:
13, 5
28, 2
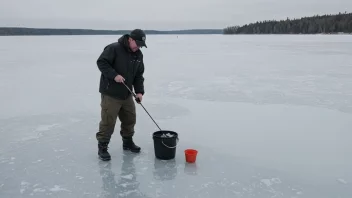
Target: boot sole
105, 159
134, 151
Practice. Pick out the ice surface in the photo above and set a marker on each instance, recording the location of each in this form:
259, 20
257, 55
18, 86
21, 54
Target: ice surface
269, 115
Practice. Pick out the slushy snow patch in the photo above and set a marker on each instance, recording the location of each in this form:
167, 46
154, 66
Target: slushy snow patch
167, 135
39, 190
57, 189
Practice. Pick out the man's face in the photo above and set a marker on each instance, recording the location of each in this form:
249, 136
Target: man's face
133, 45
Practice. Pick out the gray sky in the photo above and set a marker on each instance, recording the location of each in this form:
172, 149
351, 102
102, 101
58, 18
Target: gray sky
157, 14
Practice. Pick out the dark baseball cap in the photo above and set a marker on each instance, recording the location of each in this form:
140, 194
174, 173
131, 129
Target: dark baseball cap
139, 36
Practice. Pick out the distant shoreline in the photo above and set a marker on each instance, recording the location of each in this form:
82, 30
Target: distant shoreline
24, 31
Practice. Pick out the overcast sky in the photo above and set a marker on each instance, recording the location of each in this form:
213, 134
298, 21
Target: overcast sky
157, 14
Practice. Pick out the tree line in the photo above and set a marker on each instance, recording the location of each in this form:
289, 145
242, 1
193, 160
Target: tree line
318, 24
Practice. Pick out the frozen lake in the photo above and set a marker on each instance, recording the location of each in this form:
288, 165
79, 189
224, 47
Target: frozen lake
270, 115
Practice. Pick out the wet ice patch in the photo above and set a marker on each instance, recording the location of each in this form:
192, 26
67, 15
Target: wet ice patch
342, 181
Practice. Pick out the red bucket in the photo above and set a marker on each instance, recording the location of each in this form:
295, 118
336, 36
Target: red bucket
191, 155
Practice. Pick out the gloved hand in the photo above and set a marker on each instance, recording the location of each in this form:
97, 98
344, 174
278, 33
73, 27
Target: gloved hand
139, 98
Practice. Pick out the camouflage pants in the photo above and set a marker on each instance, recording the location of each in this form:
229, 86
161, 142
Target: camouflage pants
112, 108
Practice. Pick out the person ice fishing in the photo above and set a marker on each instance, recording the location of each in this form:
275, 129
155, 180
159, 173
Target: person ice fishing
121, 64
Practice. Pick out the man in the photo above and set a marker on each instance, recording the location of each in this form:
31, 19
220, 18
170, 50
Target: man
121, 64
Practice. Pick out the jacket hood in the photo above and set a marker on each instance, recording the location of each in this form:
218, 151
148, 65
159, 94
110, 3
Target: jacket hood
123, 40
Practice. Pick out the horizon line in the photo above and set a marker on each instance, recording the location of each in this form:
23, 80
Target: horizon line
24, 27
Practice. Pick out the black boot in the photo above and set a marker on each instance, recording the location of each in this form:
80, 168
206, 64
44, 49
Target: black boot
103, 151
128, 144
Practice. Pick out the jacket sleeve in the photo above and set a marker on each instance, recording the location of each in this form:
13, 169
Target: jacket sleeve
138, 83
105, 62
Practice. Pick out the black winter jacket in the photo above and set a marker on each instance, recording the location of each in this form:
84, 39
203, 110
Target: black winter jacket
117, 58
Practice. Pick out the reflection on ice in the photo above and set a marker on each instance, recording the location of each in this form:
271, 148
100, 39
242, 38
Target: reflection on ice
190, 169
164, 169
126, 184
68, 169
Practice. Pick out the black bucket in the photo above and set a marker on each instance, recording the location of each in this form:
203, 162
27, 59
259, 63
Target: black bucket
165, 144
